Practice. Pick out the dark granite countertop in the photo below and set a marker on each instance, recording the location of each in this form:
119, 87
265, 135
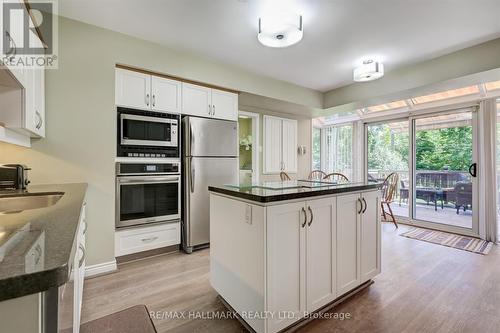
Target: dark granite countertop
49, 231
295, 189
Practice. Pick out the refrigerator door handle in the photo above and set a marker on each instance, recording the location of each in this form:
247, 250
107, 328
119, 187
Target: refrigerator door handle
192, 171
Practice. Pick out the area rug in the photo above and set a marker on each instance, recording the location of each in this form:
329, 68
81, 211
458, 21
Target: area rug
460, 242
132, 320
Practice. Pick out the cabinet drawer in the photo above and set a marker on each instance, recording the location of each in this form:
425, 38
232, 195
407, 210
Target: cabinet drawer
146, 238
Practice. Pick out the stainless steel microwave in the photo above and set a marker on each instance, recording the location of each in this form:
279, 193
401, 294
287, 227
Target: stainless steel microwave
139, 130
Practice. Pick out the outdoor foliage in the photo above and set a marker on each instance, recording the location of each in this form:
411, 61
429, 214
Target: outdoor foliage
436, 149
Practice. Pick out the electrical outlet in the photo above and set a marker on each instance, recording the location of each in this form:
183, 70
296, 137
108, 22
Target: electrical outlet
248, 214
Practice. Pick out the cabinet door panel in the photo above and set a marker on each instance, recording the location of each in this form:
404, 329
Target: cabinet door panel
272, 144
132, 89
165, 95
289, 140
348, 276
285, 264
370, 237
225, 105
196, 100
321, 253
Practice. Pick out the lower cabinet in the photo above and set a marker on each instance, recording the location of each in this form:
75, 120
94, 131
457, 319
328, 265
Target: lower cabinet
310, 253
301, 259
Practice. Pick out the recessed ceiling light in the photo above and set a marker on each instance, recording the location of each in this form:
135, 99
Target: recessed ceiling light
370, 70
280, 30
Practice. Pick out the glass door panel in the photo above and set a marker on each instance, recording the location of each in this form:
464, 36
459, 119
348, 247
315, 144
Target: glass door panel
338, 150
388, 151
443, 185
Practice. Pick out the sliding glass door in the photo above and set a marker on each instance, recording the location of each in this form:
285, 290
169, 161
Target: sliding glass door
338, 150
434, 157
387, 152
444, 189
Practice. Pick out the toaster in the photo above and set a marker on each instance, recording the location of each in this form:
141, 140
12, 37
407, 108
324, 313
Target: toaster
14, 176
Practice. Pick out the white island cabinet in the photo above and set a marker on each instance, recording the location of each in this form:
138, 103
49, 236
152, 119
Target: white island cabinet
276, 262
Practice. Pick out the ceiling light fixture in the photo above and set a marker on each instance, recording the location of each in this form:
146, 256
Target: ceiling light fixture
280, 30
370, 70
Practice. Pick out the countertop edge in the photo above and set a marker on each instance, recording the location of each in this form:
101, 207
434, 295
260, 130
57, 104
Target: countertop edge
291, 196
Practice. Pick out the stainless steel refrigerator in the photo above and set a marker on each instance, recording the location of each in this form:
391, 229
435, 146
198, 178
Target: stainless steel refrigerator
210, 157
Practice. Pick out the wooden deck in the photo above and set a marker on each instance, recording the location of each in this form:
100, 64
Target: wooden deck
423, 288
447, 215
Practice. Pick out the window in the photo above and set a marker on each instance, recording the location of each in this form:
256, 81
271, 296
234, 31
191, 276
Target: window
388, 106
446, 95
316, 149
492, 85
338, 149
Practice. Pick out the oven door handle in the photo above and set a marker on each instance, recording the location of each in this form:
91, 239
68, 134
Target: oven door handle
147, 180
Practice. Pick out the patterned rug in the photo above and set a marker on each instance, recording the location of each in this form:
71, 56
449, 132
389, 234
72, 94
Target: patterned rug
460, 242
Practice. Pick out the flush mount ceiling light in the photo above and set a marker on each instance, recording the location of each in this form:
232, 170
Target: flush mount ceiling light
370, 70
280, 30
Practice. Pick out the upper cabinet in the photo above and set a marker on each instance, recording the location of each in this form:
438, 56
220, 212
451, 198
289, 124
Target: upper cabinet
147, 92
208, 102
155, 93
280, 145
23, 104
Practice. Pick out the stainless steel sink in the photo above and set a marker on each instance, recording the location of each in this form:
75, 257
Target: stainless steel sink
19, 203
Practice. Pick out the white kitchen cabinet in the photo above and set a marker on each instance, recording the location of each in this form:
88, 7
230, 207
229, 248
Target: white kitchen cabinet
224, 105
165, 95
79, 270
321, 253
196, 100
286, 263
280, 145
133, 240
132, 89
300, 255
34, 119
370, 237
348, 242
208, 102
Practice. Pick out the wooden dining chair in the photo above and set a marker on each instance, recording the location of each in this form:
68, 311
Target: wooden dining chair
336, 177
284, 176
389, 187
316, 175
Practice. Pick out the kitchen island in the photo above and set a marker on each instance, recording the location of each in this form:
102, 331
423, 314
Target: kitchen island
282, 251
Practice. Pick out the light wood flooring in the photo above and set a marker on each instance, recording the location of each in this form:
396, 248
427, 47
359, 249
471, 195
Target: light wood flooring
423, 288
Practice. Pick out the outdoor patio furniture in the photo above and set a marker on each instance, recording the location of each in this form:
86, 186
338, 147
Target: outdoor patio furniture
336, 177
316, 175
284, 176
428, 194
403, 193
463, 192
388, 190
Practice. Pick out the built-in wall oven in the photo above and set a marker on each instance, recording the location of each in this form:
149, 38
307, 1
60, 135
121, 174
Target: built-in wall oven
147, 134
147, 193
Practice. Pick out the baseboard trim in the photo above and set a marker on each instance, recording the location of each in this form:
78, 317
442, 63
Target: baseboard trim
100, 269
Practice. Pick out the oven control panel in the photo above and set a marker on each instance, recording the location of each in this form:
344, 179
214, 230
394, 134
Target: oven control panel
147, 168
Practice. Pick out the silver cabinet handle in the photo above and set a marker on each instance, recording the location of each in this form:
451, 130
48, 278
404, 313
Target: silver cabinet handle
209, 110
80, 263
149, 239
39, 120
364, 201
213, 110
360, 208
192, 174
13, 46
38, 250
305, 217
154, 100
147, 99
85, 226
312, 216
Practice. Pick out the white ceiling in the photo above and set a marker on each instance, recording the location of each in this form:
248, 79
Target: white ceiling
337, 33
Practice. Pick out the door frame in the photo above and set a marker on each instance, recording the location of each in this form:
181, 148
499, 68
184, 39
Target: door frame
411, 162
255, 143
474, 231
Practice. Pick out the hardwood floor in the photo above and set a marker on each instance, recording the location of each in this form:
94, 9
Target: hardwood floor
423, 288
